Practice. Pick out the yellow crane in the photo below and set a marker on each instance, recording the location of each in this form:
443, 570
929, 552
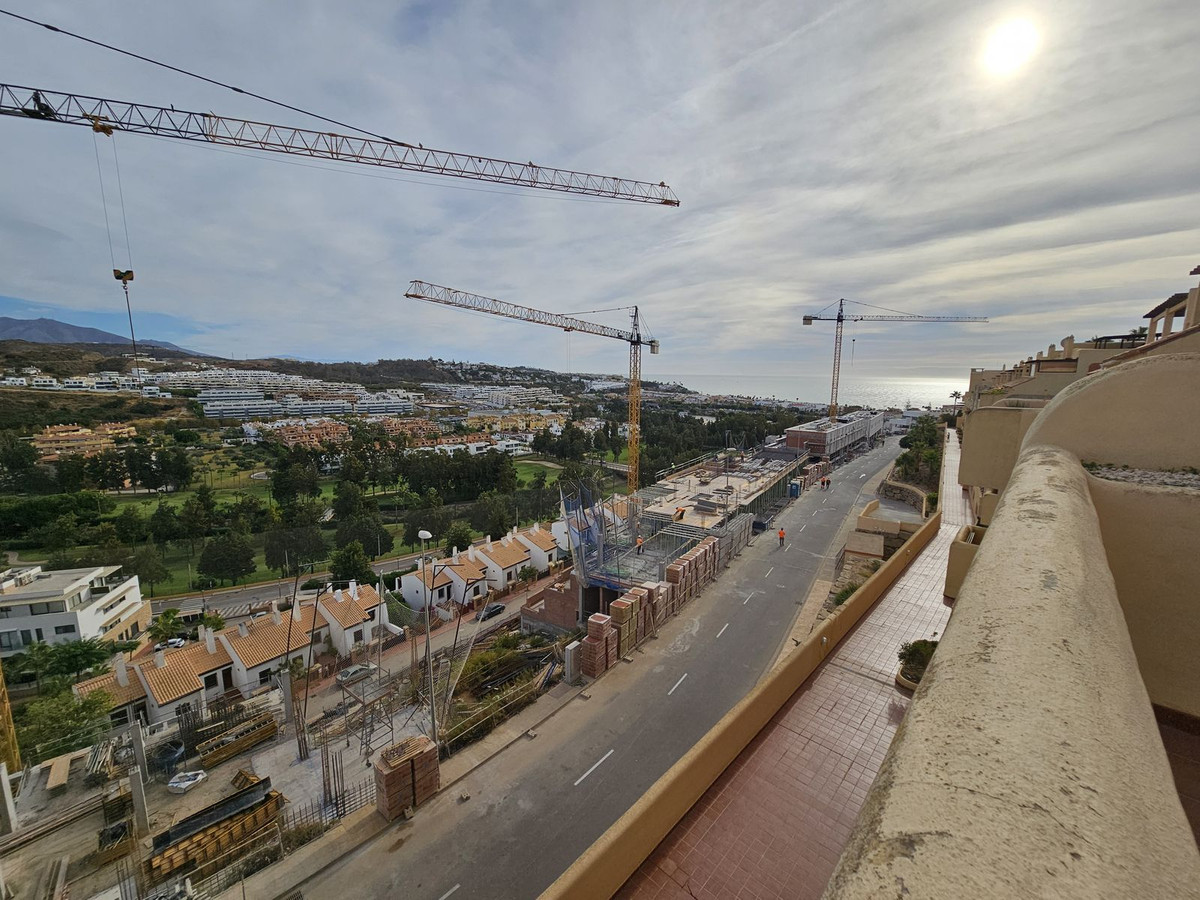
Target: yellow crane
894, 316
435, 293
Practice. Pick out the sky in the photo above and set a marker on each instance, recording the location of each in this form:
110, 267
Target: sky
854, 149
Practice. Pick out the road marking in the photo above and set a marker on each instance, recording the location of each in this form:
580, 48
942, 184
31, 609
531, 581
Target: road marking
722, 631
814, 512
864, 475
748, 596
591, 770
787, 548
767, 574
449, 892
826, 500
805, 525
669, 693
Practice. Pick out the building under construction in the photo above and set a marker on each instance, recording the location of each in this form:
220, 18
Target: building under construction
622, 542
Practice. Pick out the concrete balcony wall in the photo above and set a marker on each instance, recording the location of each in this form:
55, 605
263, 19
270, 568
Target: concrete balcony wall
962, 554
1151, 535
1029, 764
992, 438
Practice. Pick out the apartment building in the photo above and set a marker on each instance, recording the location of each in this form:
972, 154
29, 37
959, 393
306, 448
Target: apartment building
824, 437
69, 605
56, 441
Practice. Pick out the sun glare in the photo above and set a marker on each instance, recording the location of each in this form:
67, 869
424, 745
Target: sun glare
1009, 46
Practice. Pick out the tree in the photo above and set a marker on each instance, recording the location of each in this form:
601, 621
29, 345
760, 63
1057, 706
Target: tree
166, 625
147, 564
76, 657
368, 531
194, 523
289, 547
71, 472
351, 563
348, 500
212, 621
130, 525
176, 468
55, 725
164, 524
36, 661
458, 536
227, 556
18, 458
62, 533
527, 573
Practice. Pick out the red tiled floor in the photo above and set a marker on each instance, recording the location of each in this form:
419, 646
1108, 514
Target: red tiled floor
776, 821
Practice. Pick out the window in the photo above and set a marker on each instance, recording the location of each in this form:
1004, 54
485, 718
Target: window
40, 635
210, 680
316, 639
264, 677
358, 636
64, 629
5, 612
9, 641
26, 636
43, 609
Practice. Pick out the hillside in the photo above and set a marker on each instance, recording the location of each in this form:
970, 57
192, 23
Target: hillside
28, 410
63, 360
51, 331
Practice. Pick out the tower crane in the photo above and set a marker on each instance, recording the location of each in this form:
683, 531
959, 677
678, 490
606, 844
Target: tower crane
842, 318
421, 290
107, 116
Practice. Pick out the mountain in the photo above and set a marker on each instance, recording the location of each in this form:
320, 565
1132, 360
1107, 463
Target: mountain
51, 331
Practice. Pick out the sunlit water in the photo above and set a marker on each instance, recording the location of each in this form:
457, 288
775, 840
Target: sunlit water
880, 393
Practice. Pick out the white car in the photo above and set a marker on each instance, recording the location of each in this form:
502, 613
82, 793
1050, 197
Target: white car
356, 673
185, 781
173, 643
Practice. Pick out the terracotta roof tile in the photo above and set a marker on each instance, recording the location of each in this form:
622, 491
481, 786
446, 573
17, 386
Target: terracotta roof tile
465, 569
108, 683
266, 640
170, 682
541, 539
197, 658
347, 613
430, 580
505, 557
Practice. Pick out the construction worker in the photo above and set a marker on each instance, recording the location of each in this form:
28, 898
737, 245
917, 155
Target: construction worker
782, 535
639, 545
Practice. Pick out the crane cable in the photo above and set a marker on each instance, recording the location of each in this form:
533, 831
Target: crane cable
122, 275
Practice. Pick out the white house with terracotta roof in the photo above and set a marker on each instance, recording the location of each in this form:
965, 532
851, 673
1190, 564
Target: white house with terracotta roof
504, 559
543, 547
243, 657
469, 576
431, 579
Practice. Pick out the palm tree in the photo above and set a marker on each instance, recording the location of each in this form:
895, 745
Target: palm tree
212, 621
956, 396
36, 660
167, 625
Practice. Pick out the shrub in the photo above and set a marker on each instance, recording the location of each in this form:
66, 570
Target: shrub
931, 501
914, 656
313, 584
845, 594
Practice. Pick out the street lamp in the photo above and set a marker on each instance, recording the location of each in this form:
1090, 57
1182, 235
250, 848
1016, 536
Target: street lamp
426, 536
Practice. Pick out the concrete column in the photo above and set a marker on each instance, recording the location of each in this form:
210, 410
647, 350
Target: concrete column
1152, 331
141, 816
285, 684
139, 746
1168, 321
8, 809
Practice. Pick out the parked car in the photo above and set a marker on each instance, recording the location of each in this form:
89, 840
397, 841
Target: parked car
185, 781
174, 643
492, 609
356, 672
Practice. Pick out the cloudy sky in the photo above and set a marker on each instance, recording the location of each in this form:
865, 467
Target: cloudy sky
820, 150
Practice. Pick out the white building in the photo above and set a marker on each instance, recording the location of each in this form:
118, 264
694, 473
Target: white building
504, 559
69, 605
543, 547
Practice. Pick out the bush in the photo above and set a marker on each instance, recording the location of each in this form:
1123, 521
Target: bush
931, 501
313, 584
845, 593
914, 656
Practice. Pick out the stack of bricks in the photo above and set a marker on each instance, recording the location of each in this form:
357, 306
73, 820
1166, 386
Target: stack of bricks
621, 611
600, 646
407, 774
642, 606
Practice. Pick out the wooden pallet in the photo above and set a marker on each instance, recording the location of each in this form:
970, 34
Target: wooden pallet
241, 737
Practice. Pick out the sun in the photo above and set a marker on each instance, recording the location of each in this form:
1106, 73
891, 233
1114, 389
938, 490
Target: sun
1009, 46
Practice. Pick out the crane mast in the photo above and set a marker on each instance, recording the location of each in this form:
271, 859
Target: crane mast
435, 293
841, 318
107, 116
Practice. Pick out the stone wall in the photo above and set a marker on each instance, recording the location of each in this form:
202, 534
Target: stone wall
905, 493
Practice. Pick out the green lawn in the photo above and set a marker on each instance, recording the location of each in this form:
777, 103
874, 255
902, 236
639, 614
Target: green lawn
527, 469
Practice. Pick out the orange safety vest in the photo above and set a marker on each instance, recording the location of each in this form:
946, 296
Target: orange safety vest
781, 534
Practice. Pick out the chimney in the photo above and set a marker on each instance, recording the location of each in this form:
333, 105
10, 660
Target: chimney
122, 672
337, 596
471, 553
243, 630
397, 588
210, 640
454, 557
488, 542
276, 616
537, 526
353, 589
200, 632
160, 658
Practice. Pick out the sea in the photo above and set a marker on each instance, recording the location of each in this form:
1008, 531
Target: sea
877, 393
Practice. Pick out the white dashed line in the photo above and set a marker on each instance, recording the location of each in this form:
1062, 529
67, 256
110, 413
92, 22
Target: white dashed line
722, 631
767, 574
788, 547
748, 596
669, 693
805, 525
584, 775
449, 892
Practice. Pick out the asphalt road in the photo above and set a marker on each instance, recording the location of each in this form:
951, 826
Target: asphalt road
534, 808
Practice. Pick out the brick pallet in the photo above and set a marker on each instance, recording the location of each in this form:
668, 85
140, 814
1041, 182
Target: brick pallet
407, 775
